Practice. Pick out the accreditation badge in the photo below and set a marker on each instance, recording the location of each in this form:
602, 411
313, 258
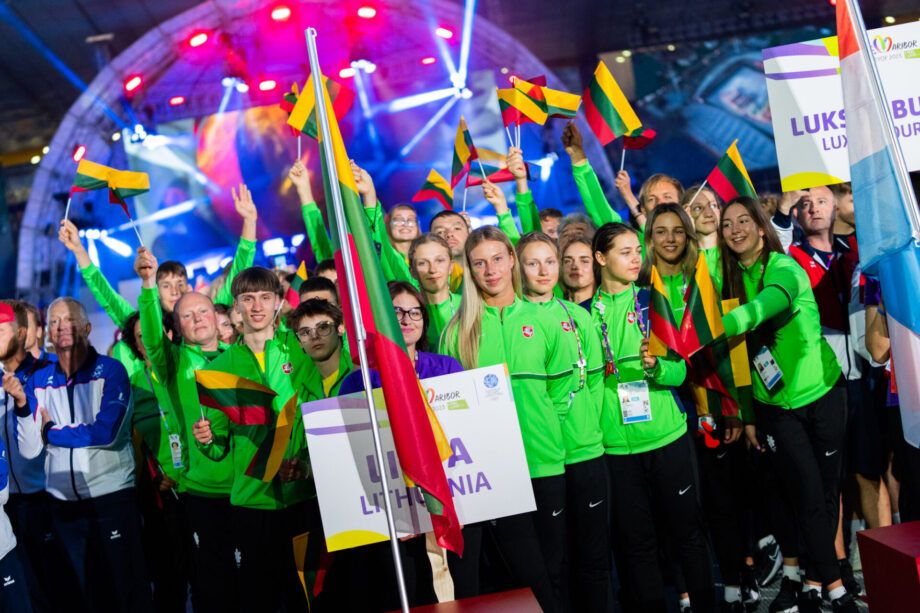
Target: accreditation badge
175, 450
635, 402
766, 366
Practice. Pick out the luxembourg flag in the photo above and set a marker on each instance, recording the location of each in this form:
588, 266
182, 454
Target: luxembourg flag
887, 217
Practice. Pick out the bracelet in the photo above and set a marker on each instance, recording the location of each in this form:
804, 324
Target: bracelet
881, 311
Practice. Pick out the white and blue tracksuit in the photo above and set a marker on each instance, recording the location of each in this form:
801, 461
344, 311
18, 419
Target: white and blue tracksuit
14, 594
27, 475
88, 452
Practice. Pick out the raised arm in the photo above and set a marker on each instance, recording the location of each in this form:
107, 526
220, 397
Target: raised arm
246, 249
592, 195
312, 217
781, 288
496, 197
116, 307
158, 347
523, 198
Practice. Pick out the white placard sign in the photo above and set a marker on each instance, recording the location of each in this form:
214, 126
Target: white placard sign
487, 472
806, 103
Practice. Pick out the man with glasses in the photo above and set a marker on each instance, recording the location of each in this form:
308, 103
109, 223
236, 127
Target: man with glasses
319, 327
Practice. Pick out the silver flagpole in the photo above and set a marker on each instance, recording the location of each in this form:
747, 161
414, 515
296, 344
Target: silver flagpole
361, 334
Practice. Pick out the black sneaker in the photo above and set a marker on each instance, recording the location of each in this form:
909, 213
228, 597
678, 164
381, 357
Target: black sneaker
849, 580
845, 604
788, 598
750, 590
767, 562
810, 601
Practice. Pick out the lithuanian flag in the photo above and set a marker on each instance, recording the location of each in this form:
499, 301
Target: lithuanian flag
299, 277
420, 442
607, 110
522, 104
288, 101
121, 183
267, 460
702, 320
639, 138
464, 153
556, 103
303, 115
245, 402
730, 178
437, 188
664, 334
494, 167
720, 376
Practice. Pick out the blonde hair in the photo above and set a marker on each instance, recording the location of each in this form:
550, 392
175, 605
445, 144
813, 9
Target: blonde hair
688, 259
465, 327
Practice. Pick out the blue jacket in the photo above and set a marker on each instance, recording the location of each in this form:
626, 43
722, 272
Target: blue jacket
88, 450
26, 476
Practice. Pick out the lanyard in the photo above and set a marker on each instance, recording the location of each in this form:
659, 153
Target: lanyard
610, 367
159, 408
582, 362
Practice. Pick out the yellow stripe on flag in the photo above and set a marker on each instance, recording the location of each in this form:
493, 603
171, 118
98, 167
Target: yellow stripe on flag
701, 398
303, 107
617, 98
444, 450
561, 100
517, 97
342, 162
708, 297
656, 346
302, 270
460, 148
215, 379
735, 156
738, 350
283, 427
116, 179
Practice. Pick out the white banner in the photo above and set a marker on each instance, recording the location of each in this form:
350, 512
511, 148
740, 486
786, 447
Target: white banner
487, 472
806, 103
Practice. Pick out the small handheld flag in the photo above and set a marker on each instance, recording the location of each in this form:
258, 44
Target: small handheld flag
120, 183
730, 179
303, 115
437, 188
608, 111
464, 153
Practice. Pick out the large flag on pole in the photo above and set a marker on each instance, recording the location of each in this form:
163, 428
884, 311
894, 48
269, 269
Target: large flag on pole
420, 443
887, 218
730, 178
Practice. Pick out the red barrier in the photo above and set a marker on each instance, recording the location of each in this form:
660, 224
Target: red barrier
891, 567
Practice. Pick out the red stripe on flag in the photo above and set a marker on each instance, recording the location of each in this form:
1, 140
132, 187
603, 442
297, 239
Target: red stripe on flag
721, 185
367, 316
596, 121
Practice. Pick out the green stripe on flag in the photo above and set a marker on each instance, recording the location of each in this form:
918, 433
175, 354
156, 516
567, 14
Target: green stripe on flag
605, 108
734, 176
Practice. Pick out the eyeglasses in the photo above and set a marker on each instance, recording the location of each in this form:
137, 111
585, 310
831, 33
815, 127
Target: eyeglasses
399, 221
322, 330
696, 209
415, 313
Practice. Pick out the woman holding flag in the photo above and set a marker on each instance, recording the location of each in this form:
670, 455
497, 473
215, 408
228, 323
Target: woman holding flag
585, 471
671, 245
493, 326
650, 458
799, 394
430, 261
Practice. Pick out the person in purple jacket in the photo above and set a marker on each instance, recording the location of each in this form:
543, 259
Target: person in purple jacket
413, 321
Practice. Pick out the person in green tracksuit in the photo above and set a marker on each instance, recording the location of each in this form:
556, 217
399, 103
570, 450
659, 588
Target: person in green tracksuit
799, 393
703, 206
430, 259
205, 484
649, 454
320, 327
672, 247
265, 514
585, 468
161, 457
492, 326
171, 278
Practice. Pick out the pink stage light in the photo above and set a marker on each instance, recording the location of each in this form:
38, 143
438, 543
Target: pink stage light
281, 13
427, 61
367, 12
267, 85
78, 152
197, 39
445, 33
132, 83
176, 100
347, 73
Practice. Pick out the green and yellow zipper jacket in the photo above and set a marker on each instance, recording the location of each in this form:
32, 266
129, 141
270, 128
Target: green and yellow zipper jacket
525, 338
581, 423
174, 369
155, 427
309, 381
240, 443
668, 423
784, 317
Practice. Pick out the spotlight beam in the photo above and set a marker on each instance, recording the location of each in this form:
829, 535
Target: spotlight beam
167, 213
407, 149
469, 8
410, 102
9, 16
361, 90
